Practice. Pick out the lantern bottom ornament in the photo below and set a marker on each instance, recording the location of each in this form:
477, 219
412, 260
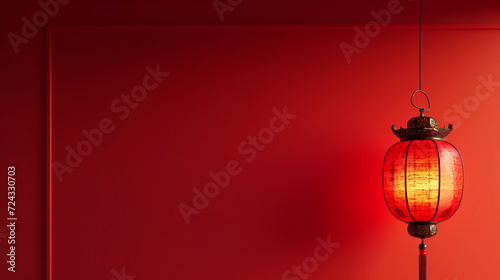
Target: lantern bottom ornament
422, 230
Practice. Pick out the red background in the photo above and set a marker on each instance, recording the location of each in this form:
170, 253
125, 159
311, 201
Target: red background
319, 177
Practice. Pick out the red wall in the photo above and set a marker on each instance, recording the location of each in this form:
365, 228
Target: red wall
332, 157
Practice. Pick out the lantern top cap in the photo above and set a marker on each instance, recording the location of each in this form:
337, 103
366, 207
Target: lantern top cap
422, 128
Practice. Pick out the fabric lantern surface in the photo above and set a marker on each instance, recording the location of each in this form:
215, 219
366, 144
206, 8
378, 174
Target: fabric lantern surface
423, 180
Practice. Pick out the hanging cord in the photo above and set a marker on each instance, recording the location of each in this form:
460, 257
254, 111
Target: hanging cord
420, 45
422, 261
421, 109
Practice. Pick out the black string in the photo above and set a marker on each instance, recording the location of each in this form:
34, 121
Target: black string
420, 45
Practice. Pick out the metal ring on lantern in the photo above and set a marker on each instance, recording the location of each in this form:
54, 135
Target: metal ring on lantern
418, 107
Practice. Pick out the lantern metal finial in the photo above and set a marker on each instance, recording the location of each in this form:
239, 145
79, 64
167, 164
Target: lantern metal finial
422, 127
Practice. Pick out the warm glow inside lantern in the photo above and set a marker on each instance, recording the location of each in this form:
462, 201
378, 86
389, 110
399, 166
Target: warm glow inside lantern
423, 180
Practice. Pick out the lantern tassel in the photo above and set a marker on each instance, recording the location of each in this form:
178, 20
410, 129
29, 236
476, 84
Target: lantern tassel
422, 261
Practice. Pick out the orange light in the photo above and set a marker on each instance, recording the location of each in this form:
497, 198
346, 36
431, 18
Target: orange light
423, 180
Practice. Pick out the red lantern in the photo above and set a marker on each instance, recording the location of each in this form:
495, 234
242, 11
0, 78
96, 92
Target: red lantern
422, 178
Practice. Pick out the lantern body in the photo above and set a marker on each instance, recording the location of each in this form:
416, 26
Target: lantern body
423, 180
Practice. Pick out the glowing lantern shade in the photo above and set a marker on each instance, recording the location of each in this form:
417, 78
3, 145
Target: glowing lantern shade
423, 175
422, 178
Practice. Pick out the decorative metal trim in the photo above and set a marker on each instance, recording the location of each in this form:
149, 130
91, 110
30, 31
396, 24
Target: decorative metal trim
422, 230
422, 128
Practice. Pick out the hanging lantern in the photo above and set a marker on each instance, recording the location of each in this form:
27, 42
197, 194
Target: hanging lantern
422, 177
